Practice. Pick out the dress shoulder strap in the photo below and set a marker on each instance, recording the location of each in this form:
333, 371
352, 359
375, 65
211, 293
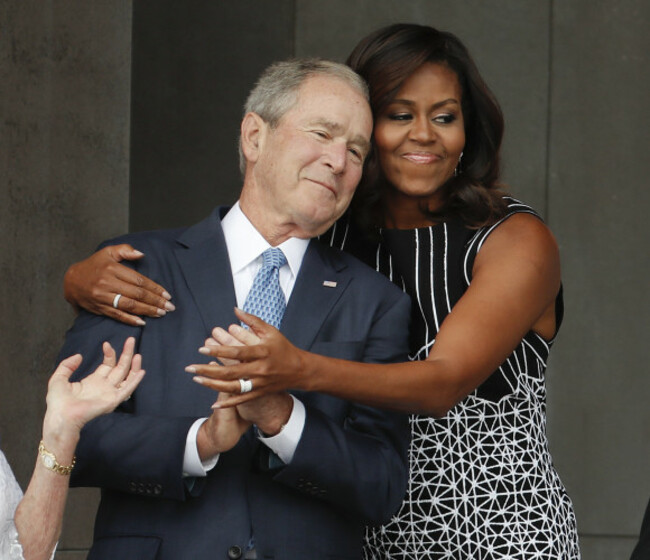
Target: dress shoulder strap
475, 243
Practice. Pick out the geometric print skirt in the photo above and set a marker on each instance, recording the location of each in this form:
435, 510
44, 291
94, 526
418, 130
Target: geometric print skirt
482, 486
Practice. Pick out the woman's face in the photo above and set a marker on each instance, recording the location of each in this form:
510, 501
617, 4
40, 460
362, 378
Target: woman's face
419, 139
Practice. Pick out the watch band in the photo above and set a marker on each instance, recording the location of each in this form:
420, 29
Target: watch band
50, 462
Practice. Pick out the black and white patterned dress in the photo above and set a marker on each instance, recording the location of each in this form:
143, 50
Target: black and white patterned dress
482, 482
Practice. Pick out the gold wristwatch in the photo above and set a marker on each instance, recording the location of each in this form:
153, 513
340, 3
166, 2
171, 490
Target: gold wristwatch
50, 462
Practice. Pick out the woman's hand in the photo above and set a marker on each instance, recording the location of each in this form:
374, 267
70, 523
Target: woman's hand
94, 282
262, 355
71, 405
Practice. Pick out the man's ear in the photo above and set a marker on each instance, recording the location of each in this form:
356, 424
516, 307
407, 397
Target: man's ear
253, 134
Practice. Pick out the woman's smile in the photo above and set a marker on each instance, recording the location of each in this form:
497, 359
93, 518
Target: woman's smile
422, 158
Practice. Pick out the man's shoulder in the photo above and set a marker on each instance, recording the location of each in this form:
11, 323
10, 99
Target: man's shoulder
170, 237
151, 238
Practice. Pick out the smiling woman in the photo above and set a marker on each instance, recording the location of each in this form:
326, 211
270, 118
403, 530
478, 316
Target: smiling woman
484, 277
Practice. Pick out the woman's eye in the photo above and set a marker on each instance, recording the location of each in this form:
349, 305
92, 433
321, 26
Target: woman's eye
400, 117
446, 118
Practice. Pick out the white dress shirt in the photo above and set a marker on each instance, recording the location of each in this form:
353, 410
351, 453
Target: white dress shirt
245, 247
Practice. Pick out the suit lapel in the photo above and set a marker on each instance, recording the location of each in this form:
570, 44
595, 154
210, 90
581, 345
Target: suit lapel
312, 298
203, 259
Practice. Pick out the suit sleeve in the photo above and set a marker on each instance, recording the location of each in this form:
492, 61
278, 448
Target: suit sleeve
123, 450
358, 461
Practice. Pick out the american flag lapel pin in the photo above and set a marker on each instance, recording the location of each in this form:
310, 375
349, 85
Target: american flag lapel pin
329, 284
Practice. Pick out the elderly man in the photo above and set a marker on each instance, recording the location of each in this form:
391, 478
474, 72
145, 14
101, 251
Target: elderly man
284, 476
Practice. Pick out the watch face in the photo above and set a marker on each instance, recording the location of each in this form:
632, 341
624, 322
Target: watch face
49, 461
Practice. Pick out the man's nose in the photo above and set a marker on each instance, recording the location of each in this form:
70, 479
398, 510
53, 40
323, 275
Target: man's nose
336, 157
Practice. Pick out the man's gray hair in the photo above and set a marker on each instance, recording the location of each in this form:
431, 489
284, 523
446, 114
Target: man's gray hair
276, 91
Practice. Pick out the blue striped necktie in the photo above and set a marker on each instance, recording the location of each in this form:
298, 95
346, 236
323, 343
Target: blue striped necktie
265, 299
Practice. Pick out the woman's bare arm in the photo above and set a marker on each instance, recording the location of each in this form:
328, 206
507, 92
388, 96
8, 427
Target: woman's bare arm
39, 515
516, 278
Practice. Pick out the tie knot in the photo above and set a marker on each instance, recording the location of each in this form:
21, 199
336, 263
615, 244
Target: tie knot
274, 258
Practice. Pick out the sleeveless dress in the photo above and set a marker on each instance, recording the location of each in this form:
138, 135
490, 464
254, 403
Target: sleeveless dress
482, 482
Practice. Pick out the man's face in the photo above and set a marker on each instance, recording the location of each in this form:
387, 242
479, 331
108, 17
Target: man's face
309, 164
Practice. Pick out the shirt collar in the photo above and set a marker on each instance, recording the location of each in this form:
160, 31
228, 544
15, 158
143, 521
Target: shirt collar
245, 243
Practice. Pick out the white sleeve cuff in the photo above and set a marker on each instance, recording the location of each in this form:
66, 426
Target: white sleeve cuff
192, 464
284, 444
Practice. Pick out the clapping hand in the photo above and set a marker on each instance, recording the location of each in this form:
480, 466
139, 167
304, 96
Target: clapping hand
70, 405
269, 409
262, 355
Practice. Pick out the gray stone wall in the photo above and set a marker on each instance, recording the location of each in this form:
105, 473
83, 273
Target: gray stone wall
64, 154
599, 122
572, 78
193, 65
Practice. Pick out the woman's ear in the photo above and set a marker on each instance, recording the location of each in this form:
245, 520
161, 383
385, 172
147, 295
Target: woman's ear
253, 132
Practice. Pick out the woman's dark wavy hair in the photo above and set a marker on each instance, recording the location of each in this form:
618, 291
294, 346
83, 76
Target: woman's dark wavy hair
385, 59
